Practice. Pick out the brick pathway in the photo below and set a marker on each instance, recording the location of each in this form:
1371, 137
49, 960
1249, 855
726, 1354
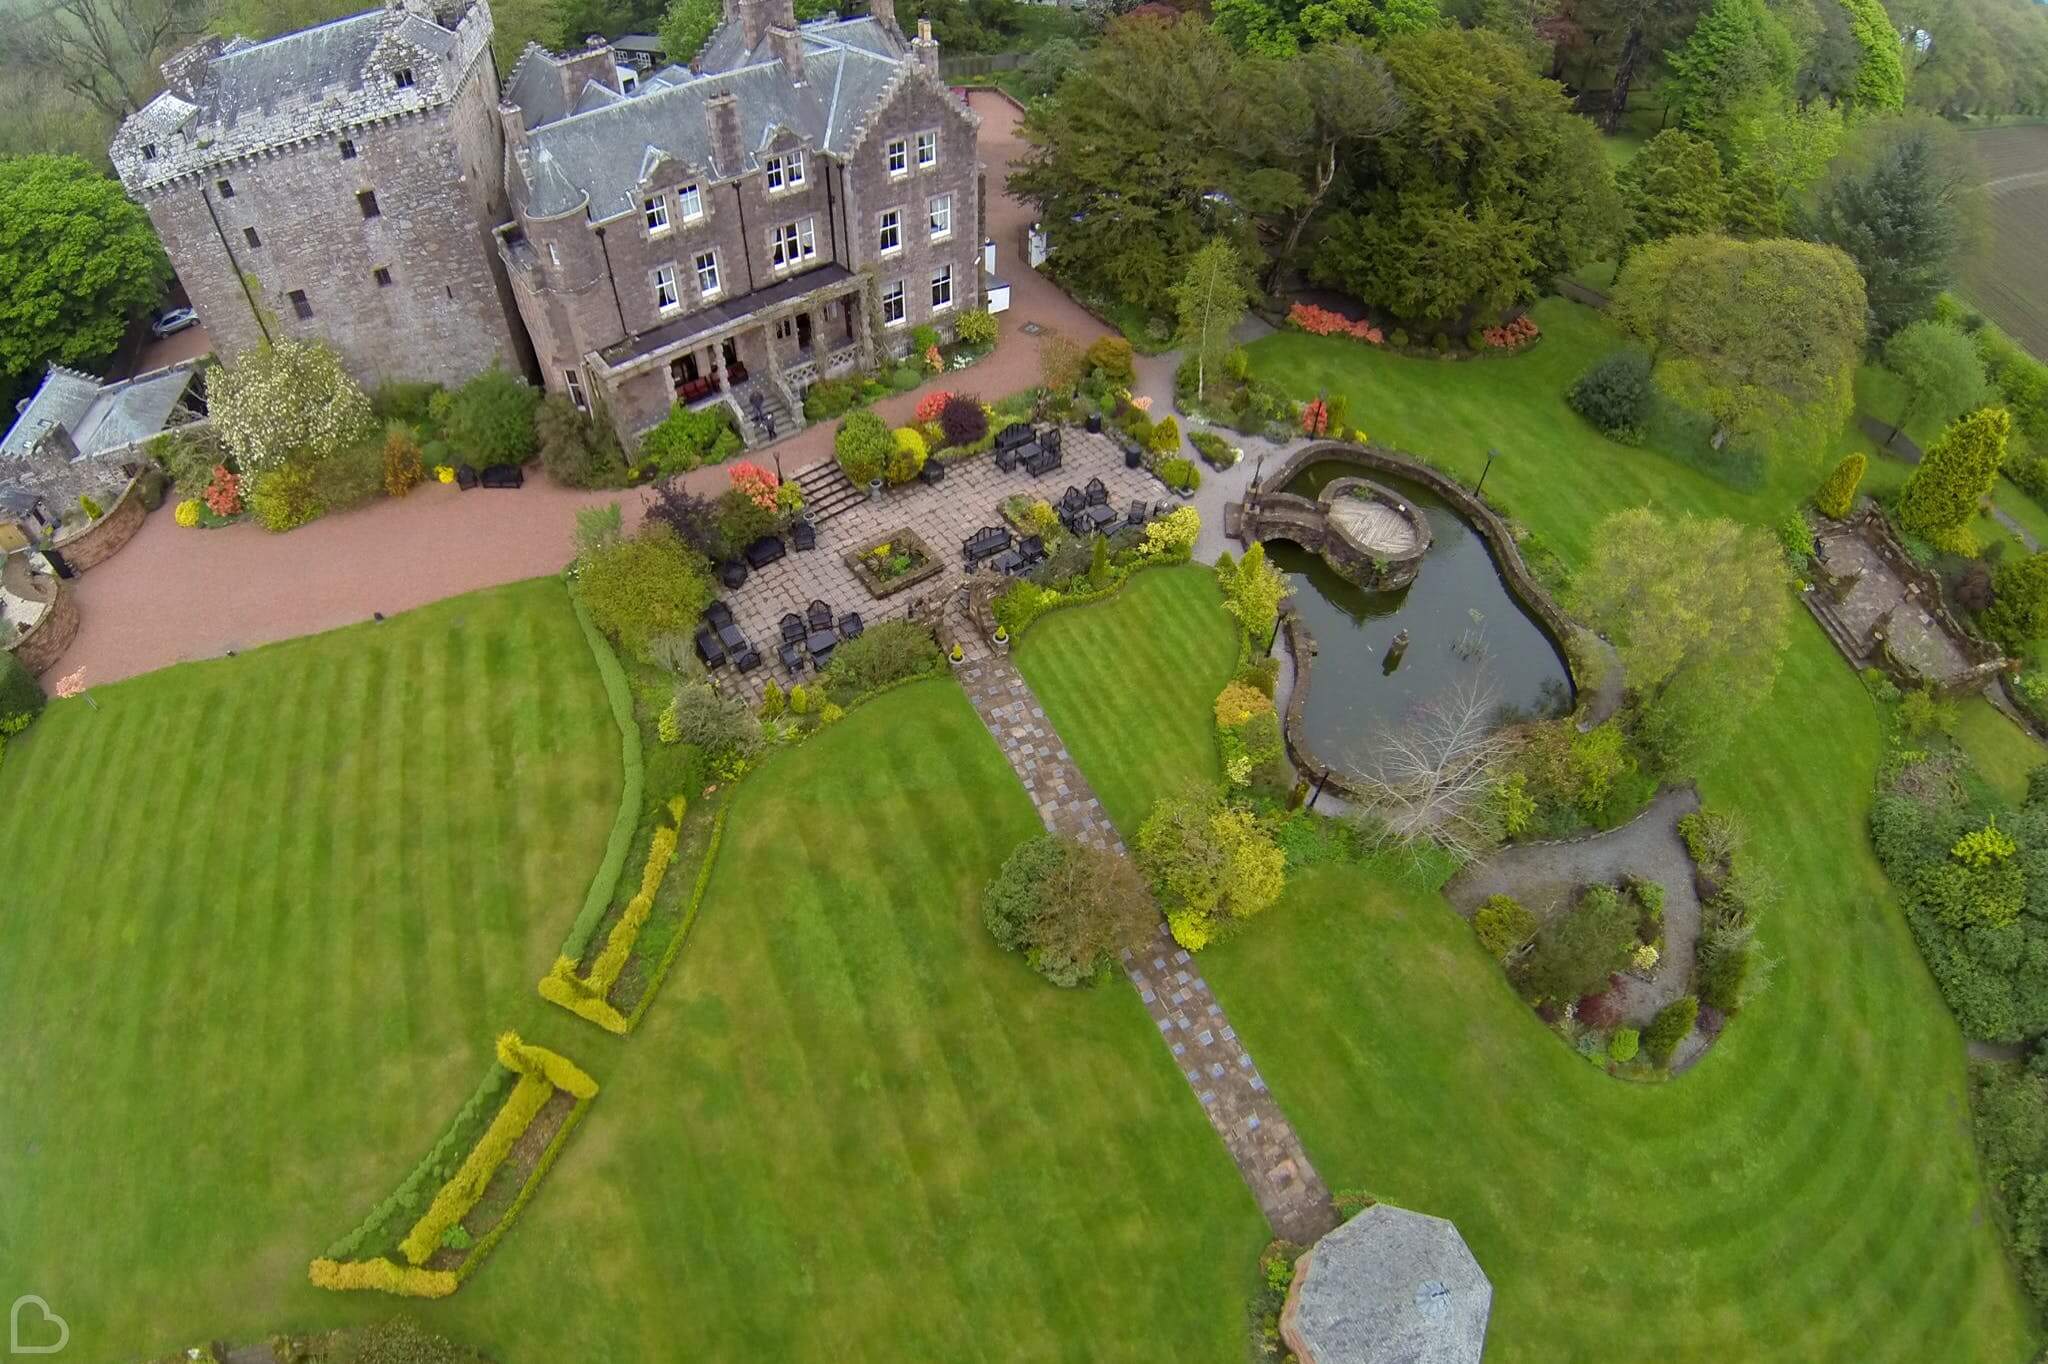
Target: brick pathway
1191, 1022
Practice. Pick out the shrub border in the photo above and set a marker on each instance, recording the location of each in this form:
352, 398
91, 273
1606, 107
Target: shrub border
576, 993
675, 943
619, 846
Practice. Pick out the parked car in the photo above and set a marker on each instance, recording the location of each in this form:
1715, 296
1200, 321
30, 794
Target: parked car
174, 321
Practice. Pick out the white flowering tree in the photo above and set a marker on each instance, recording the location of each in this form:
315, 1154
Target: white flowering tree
287, 403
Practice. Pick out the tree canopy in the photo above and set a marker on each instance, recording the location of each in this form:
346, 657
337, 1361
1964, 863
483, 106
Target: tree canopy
78, 261
1762, 337
1901, 204
1697, 609
1939, 369
1673, 188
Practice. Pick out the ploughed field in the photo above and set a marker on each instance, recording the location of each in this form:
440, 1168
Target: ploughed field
2009, 277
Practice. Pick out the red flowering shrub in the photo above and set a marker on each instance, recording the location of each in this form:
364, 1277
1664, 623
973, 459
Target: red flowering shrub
930, 405
962, 420
757, 483
1315, 417
223, 495
1513, 335
1323, 322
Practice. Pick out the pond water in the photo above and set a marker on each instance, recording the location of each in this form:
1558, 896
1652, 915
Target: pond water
1460, 617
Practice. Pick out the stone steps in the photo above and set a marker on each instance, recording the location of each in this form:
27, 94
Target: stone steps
828, 492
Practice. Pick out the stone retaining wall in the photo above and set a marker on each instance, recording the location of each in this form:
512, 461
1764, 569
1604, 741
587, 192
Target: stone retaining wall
94, 544
50, 636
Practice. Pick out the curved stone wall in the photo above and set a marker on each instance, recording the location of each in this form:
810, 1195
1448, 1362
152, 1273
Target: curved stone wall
1521, 583
53, 632
95, 544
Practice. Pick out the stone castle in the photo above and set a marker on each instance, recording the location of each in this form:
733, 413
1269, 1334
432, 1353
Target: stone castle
788, 208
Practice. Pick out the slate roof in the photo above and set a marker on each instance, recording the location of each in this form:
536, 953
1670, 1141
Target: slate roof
600, 152
1392, 1287
100, 417
232, 98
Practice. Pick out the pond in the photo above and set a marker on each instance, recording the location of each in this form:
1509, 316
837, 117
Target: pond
1460, 617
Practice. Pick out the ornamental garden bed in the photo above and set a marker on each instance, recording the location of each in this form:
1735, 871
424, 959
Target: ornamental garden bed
891, 563
434, 1231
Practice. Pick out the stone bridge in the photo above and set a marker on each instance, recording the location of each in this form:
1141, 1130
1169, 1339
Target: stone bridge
1366, 532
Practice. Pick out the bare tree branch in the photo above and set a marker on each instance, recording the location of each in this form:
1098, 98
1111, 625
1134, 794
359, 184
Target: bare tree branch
1431, 781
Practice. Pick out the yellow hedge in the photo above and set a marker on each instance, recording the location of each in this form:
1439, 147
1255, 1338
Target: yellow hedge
556, 1069
579, 994
382, 1275
460, 1194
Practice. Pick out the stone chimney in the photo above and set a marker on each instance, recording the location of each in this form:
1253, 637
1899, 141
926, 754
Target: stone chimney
185, 72
757, 17
723, 113
789, 49
924, 48
884, 13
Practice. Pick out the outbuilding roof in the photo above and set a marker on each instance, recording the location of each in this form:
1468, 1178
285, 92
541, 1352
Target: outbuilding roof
1390, 1287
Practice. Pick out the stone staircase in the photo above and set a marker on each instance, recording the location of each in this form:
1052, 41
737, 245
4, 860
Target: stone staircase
773, 407
827, 492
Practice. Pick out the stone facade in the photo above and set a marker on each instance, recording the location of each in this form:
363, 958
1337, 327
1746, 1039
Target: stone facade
650, 248
341, 184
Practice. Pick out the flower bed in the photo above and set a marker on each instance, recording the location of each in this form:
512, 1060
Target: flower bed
1316, 321
488, 1164
1216, 452
896, 561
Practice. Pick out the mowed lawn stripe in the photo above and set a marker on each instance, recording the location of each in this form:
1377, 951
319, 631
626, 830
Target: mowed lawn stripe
1096, 670
844, 1062
211, 1007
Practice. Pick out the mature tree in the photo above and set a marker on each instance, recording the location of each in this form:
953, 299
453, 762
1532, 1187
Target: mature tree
1430, 781
644, 586
1048, 64
1697, 610
106, 51
490, 418
1277, 28
1940, 370
1901, 204
1672, 188
1880, 82
286, 404
1953, 478
1132, 176
1340, 97
78, 259
1738, 55
1762, 337
687, 26
1635, 31
2019, 613
1988, 56
1493, 188
1209, 302
1788, 144
1069, 906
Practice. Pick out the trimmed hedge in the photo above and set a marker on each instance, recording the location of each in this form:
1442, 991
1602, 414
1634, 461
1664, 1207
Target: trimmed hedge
403, 1280
411, 1197
675, 944
585, 996
20, 693
461, 1193
616, 849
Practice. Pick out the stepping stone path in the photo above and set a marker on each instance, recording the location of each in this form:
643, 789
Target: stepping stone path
1191, 1022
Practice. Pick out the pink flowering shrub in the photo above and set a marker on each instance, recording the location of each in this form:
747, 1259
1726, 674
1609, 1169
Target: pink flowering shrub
756, 483
933, 360
223, 495
1513, 335
1315, 417
1322, 322
931, 405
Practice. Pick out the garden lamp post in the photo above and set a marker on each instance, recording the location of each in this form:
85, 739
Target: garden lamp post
1251, 497
1310, 804
1491, 456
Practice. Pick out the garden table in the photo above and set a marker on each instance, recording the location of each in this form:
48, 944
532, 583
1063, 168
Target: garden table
730, 634
820, 642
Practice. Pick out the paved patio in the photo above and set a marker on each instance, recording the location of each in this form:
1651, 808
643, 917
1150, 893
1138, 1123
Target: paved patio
943, 515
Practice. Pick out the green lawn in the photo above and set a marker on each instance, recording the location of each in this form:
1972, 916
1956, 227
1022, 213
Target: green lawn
1808, 1192
2000, 749
852, 1129
264, 915
1127, 682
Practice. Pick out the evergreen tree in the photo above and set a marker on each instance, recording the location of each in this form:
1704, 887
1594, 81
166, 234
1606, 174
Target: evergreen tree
1945, 488
1899, 207
1838, 494
1755, 210
1880, 83
1737, 55
1673, 187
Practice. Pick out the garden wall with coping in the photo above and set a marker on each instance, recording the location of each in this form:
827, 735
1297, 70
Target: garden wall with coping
1507, 558
94, 544
45, 641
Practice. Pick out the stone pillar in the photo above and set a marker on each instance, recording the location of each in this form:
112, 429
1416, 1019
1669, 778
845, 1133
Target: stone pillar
925, 48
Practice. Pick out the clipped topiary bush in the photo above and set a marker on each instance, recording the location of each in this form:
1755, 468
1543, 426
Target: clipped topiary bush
906, 455
962, 420
1838, 494
1615, 395
862, 445
1671, 1026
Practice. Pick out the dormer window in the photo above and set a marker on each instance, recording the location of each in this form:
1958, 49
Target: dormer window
149, 151
657, 215
785, 172
348, 149
401, 79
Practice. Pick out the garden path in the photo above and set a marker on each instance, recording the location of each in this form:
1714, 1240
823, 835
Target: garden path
1547, 877
1190, 1020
